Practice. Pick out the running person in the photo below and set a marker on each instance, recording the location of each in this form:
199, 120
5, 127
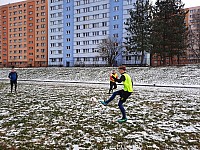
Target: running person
124, 93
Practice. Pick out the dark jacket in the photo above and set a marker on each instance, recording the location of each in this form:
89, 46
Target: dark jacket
13, 76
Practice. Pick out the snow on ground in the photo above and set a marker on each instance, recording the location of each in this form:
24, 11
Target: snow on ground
68, 116
186, 75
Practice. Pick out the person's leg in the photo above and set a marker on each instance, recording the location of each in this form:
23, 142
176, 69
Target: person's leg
115, 85
123, 97
15, 86
121, 107
11, 85
111, 85
113, 96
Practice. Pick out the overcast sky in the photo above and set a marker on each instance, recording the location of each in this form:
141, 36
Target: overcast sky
188, 3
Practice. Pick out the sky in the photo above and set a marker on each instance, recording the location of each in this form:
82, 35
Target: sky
188, 3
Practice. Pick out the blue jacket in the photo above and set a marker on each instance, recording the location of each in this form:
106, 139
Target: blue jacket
13, 76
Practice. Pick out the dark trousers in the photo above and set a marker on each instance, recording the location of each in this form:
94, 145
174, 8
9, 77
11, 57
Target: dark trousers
112, 84
11, 84
123, 96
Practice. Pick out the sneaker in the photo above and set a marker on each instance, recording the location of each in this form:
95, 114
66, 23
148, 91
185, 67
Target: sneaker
122, 120
103, 102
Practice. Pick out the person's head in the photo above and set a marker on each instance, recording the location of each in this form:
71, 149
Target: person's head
122, 69
113, 71
13, 67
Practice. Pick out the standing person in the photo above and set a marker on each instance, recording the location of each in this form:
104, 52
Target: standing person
13, 79
112, 81
124, 93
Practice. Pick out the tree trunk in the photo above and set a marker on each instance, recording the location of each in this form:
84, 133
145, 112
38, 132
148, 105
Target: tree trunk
142, 58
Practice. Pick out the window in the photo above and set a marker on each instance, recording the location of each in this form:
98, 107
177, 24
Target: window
116, 8
67, 16
95, 25
42, 13
85, 18
60, 14
95, 8
59, 44
78, 35
128, 57
115, 26
78, 19
116, 17
105, 6
68, 24
104, 24
86, 34
59, 51
78, 27
60, 6
95, 33
104, 15
78, 11
78, 50
96, 16
78, 3
87, 9
115, 35
86, 1
68, 32
85, 26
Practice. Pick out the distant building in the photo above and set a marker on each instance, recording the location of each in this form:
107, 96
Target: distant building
193, 24
61, 32
193, 51
23, 34
35, 33
76, 28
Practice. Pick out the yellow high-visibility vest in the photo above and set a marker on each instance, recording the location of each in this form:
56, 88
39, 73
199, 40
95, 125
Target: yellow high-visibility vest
128, 85
111, 79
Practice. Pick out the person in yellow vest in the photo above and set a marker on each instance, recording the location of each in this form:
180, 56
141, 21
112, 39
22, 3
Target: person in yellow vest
113, 84
124, 93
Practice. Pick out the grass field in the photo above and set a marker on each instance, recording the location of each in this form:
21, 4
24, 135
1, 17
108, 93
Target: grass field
66, 116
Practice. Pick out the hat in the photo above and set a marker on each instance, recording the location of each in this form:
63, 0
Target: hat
122, 67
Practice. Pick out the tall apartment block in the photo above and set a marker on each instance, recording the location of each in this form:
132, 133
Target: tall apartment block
193, 23
77, 27
23, 34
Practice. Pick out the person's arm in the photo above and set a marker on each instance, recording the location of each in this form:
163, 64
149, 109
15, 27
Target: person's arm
111, 77
122, 78
9, 75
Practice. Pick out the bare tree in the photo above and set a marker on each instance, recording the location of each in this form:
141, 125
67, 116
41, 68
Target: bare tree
110, 49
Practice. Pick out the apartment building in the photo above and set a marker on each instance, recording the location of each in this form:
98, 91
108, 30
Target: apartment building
193, 23
23, 34
61, 32
77, 27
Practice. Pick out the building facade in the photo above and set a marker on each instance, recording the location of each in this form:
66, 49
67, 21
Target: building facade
77, 27
23, 34
61, 32
193, 24
35, 33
